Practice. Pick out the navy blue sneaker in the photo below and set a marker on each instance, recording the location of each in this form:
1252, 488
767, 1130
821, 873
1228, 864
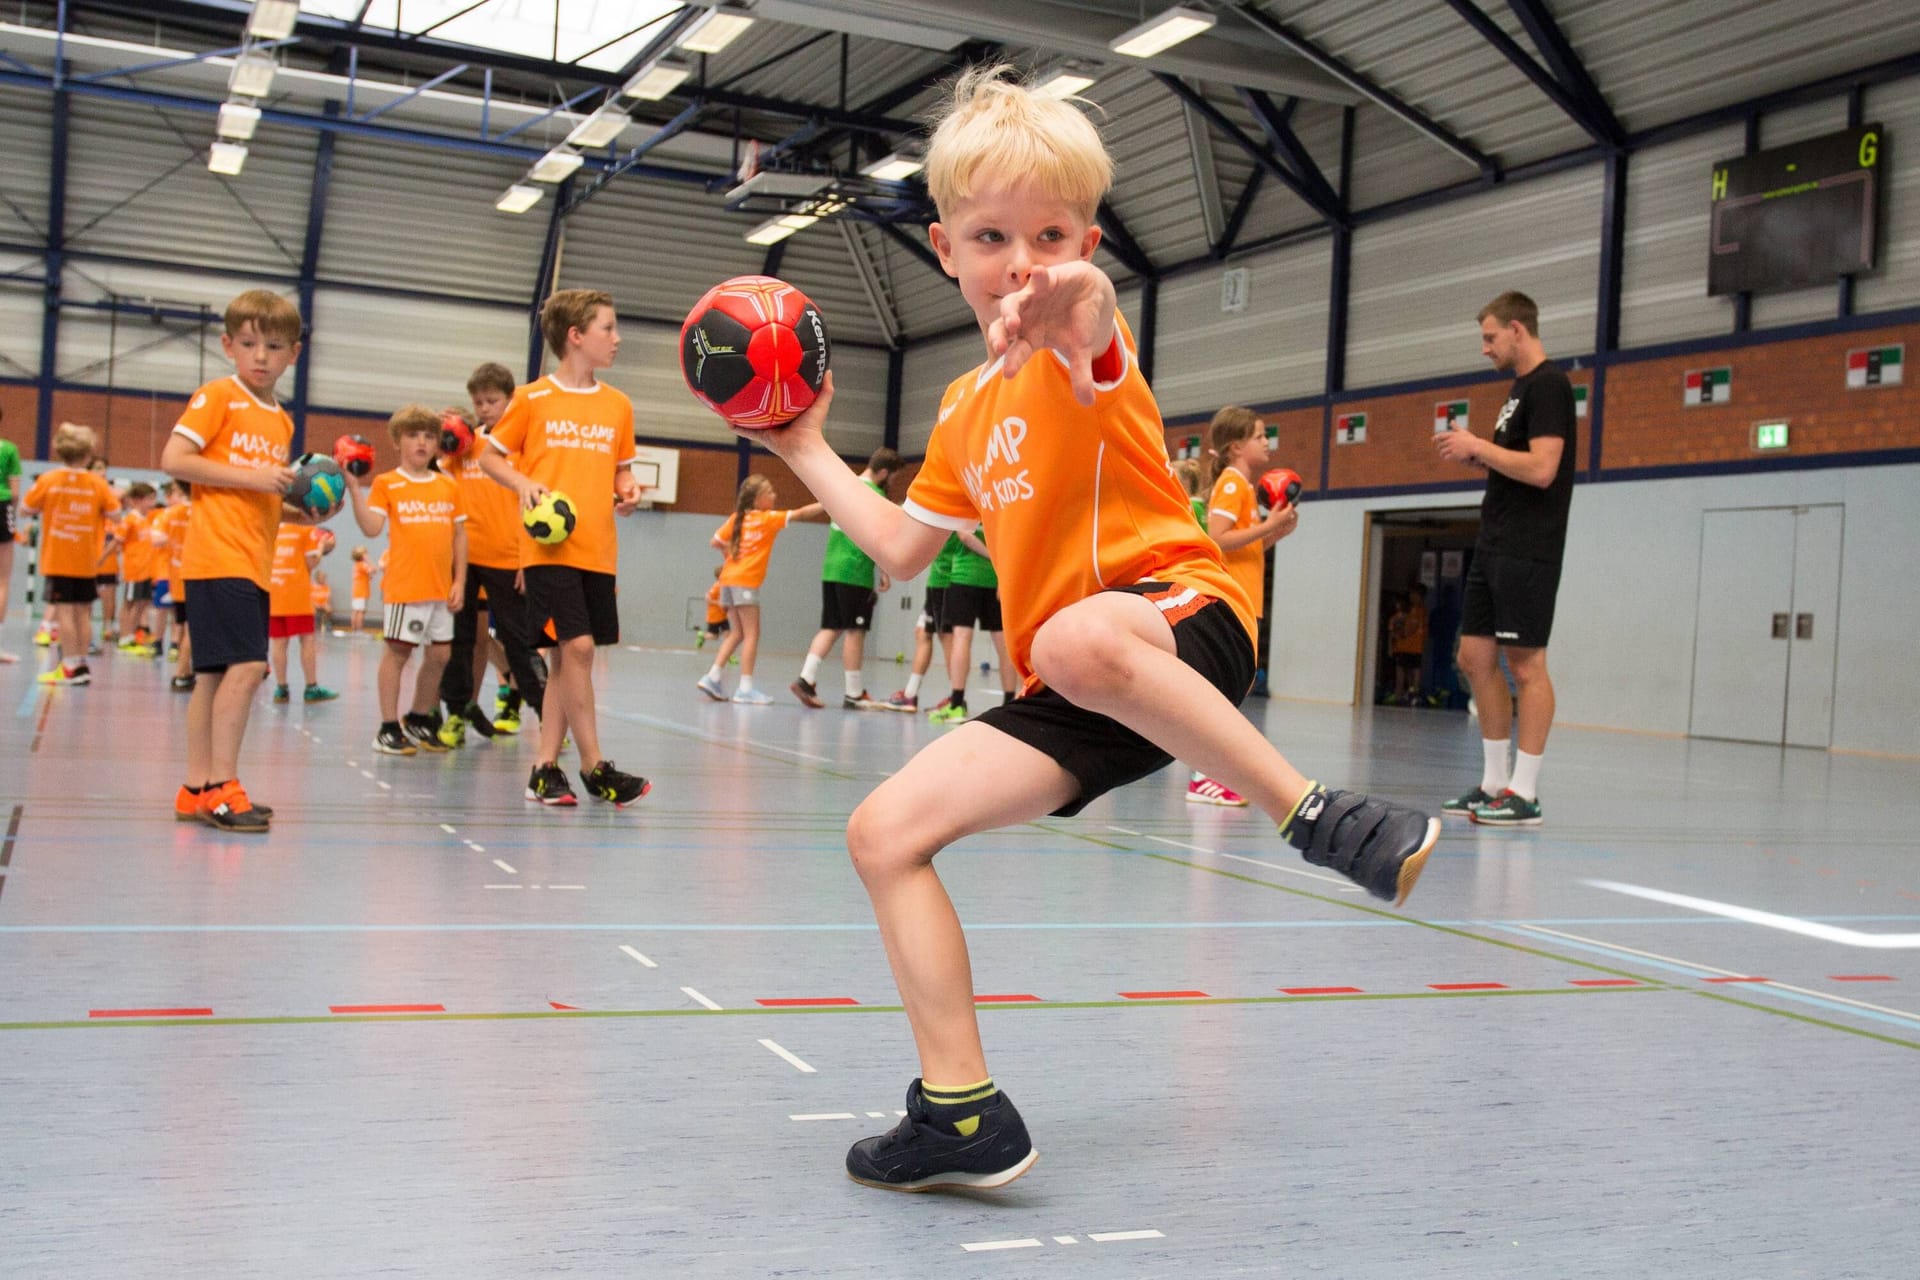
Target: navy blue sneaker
918, 1155
1379, 846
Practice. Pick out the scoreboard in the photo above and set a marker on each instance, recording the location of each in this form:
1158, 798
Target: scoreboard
1798, 215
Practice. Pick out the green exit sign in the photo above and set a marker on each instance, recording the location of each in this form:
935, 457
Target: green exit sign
1769, 435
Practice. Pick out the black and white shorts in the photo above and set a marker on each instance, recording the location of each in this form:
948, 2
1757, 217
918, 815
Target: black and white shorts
422, 622
1510, 599
845, 607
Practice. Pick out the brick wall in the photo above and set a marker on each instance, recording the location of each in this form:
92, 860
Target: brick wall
1399, 446
1298, 446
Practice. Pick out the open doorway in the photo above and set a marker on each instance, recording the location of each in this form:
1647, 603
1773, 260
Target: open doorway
1417, 562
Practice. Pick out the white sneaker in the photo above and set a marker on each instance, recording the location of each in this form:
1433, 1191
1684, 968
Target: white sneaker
752, 698
711, 687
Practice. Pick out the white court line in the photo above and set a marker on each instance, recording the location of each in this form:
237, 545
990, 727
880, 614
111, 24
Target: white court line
1176, 844
637, 956
985, 1246
477, 848
1122, 830
1108, 1237
1295, 871
776, 1050
566, 886
384, 786
826, 1115
1066, 1240
448, 828
367, 774
353, 764
701, 999
505, 886
504, 867
1787, 924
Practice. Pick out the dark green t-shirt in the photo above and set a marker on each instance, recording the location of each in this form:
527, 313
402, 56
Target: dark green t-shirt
940, 572
9, 469
844, 561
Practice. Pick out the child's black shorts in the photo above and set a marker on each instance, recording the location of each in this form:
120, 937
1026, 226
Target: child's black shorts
845, 607
1099, 751
65, 590
580, 602
228, 620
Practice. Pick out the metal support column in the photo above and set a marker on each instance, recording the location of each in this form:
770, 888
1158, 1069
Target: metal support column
1340, 279
896, 387
309, 275
1856, 110
1149, 326
54, 271
1606, 329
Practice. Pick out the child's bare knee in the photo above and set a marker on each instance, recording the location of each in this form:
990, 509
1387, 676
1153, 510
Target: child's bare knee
879, 840
1080, 658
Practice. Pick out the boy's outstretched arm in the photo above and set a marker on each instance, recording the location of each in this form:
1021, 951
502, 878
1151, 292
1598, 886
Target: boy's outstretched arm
898, 543
1069, 308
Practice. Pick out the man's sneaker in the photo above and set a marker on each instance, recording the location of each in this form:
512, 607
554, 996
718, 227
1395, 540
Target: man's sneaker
711, 687
181, 684
1207, 791
422, 731
604, 782
862, 701
227, 807
1379, 846
805, 690
391, 741
508, 724
946, 713
453, 734
1509, 810
280, 693
477, 720
903, 701
43, 638
918, 1155
1463, 806
61, 676
318, 693
548, 784
752, 698
186, 805
128, 642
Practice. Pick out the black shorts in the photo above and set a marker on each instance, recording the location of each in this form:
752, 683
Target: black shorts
106, 579
1099, 751
967, 606
228, 619
1408, 661
930, 615
845, 607
65, 590
139, 589
180, 612
1510, 599
6, 523
580, 602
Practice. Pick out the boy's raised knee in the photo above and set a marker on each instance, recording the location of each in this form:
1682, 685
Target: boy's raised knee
1081, 657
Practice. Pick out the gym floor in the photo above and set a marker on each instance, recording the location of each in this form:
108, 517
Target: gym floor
426, 1029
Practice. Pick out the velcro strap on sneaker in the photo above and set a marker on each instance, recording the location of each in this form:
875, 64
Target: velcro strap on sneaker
1360, 815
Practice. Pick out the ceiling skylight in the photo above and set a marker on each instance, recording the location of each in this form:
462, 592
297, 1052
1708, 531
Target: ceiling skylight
602, 34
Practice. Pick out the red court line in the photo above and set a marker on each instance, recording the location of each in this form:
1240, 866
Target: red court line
386, 1008
1735, 979
1004, 999
1321, 991
1467, 986
1860, 977
820, 1002
1163, 995
149, 1013
1603, 982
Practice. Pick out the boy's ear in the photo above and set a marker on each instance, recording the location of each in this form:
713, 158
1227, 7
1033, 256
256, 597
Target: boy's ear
1089, 242
943, 246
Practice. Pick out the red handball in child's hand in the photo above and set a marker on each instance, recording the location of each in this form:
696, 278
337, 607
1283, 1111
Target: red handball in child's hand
456, 437
1280, 487
755, 351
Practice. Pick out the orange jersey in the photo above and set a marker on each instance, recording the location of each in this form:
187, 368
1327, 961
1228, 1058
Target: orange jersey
169, 531
108, 561
1233, 498
422, 512
291, 591
573, 441
493, 513
715, 614
362, 579
233, 529
137, 553
1075, 499
73, 506
749, 567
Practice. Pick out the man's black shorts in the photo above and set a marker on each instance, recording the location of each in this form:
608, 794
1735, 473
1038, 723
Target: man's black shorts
580, 602
845, 607
228, 620
966, 606
934, 605
1510, 599
65, 590
1099, 751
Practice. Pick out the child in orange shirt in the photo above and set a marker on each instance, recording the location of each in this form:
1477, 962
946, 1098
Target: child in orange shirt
74, 504
138, 556
168, 533
425, 518
572, 433
746, 539
1133, 642
362, 588
296, 552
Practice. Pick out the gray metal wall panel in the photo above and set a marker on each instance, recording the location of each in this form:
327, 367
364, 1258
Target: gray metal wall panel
858, 424
1896, 282
817, 262
376, 353
931, 366
1392, 161
22, 305
1154, 191
1663, 294
1418, 281
424, 219
1274, 350
29, 156
130, 351
656, 247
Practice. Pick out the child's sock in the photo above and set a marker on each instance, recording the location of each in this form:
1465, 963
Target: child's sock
810, 669
856, 683
746, 684
956, 1108
714, 673
959, 699
913, 685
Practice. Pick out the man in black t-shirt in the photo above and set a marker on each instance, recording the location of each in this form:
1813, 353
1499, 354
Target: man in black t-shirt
1508, 609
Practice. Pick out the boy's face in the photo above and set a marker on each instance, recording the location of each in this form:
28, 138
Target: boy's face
488, 404
419, 448
599, 340
992, 240
257, 358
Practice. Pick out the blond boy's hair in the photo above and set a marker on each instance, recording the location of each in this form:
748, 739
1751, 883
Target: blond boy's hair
272, 316
994, 126
73, 443
412, 420
567, 310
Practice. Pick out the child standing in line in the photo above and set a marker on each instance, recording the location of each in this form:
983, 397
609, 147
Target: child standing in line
972, 599
362, 589
169, 535
929, 624
73, 504
1133, 642
746, 539
137, 556
847, 602
10, 470
296, 553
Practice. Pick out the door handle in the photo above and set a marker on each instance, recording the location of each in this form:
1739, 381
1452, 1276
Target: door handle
1803, 626
1779, 626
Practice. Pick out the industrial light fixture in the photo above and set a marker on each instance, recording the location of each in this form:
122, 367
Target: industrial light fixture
227, 158
273, 19
252, 74
1065, 80
774, 230
898, 167
715, 29
519, 198
658, 79
556, 164
238, 120
1158, 34
600, 128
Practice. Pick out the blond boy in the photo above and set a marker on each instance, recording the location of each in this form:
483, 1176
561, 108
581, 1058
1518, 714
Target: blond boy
74, 504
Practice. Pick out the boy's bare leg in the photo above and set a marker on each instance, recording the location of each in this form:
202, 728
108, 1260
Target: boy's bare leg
309, 659
277, 658
570, 687
392, 663
231, 703
426, 685
200, 730
974, 779
959, 656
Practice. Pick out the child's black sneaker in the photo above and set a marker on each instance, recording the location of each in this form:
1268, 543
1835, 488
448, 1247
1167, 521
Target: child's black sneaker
1379, 846
423, 732
920, 1155
805, 690
478, 721
1463, 806
604, 782
548, 784
391, 741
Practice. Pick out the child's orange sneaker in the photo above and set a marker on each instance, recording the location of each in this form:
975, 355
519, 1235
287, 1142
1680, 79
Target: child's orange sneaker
186, 804
226, 806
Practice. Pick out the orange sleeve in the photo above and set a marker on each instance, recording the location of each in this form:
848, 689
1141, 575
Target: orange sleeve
509, 435
202, 419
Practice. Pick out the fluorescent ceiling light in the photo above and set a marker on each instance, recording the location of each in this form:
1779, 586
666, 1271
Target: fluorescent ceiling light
252, 74
774, 230
519, 198
600, 128
715, 29
590, 34
1064, 82
1157, 35
556, 164
897, 167
658, 79
273, 19
227, 158
238, 120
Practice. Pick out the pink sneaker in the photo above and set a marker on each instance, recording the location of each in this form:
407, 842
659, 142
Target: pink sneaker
1207, 791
